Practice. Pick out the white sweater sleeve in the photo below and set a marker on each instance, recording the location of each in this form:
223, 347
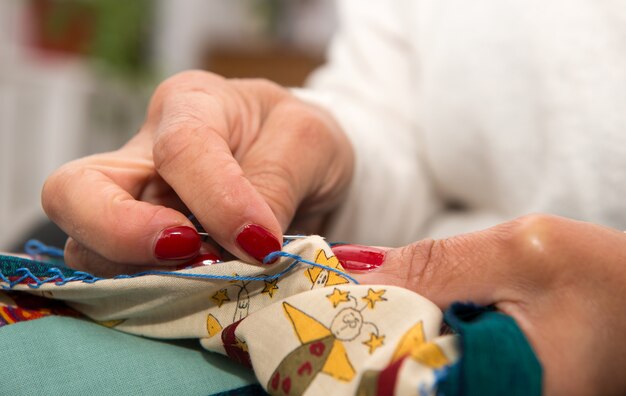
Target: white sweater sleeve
369, 86
504, 108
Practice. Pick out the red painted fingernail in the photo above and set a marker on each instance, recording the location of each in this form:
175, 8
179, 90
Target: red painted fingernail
203, 259
257, 241
177, 243
359, 258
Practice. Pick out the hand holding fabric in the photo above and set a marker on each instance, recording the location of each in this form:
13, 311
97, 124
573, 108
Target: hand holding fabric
244, 156
561, 280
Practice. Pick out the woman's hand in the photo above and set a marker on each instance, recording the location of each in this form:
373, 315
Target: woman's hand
242, 155
563, 281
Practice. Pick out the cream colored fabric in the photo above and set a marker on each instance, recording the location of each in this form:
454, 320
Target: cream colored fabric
310, 331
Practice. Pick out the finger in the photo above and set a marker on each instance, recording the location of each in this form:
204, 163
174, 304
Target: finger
193, 156
295, 162
500, 264
559, 279
91, 200
80, 258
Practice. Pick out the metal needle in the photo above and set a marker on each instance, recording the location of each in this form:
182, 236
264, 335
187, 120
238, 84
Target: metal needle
290, 237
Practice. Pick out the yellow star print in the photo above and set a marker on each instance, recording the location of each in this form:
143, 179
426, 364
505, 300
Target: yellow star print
337, 297
374, 342
332, 278
373, 297
220, 296
413, 343
270, 287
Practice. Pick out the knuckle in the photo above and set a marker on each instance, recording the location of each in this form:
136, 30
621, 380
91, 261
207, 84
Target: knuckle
538, 248
310, 129
181, 81
260, 86
56, 185
264, 84
171, 144
193, 81
536, 234
418, 259
187, 126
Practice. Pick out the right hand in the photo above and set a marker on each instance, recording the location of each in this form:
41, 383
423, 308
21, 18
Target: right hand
244, 156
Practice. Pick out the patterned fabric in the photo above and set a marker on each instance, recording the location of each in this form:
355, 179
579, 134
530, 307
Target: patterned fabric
301, 324
20, 307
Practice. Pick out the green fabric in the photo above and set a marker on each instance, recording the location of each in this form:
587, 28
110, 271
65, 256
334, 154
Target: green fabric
67, 356
497, 358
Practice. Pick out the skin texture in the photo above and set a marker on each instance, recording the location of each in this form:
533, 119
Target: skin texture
229, 151
563, 281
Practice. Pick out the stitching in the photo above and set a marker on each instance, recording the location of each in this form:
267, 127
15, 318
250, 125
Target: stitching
297, 258
57, 276
35, 248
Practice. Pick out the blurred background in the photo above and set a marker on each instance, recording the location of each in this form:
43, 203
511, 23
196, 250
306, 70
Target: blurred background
76, 75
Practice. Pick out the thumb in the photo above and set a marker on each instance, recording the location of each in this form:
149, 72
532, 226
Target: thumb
484, 267
95, 201
103, 217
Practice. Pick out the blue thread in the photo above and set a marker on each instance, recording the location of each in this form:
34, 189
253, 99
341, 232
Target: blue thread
209, 276
36, 248
59, 278
274, 255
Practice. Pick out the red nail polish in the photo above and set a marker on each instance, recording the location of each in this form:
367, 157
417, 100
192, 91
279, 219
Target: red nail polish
257, 241
359, 258
177, 243
203, 259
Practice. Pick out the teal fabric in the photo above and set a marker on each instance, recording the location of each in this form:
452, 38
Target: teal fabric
68, 356
9, 266
497, 358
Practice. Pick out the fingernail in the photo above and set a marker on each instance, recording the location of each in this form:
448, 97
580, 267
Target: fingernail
177, 243
257, 241
203, 259
358, 257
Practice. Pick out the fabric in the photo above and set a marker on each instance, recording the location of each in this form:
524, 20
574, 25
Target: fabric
302, 324
509, 368
310, 330
59, 355
466, 114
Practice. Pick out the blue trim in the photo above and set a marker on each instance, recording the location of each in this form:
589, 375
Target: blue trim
40, 273
56, 276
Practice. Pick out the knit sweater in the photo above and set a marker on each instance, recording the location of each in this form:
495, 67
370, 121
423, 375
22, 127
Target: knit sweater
465, 114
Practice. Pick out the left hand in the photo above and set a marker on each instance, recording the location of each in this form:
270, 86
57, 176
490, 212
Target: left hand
563, 281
